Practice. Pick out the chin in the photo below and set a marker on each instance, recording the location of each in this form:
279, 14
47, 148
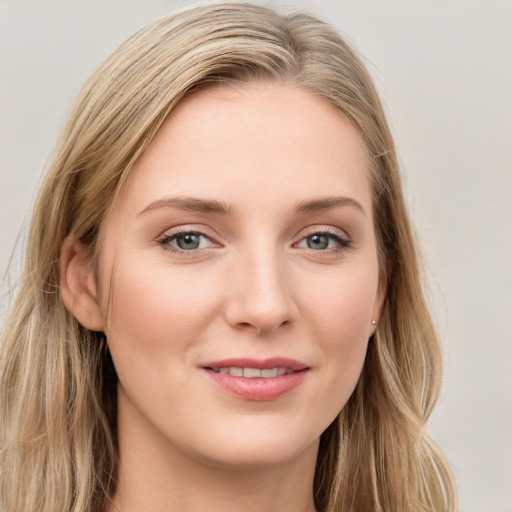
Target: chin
257, 457
260, 447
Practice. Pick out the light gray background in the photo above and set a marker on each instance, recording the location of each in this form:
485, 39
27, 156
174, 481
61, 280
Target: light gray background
444, 68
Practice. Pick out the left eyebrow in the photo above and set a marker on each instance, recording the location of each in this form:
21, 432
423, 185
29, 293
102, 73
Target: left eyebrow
326, 203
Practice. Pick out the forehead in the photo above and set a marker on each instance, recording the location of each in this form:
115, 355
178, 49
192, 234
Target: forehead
253, 143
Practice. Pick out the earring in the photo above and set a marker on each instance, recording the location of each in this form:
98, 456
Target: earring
373, 322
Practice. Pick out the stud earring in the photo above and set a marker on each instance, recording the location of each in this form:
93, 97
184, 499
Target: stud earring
373, 322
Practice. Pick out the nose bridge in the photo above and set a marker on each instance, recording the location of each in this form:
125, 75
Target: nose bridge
261, 289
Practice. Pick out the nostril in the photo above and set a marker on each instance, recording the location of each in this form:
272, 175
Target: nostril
262, 312
265, 329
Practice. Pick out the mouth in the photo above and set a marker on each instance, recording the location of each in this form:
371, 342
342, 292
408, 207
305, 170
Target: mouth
257, 380
252, 373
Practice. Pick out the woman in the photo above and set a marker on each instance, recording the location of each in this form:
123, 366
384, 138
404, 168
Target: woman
221, 305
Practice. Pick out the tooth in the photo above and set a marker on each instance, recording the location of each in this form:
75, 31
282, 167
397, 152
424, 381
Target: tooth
252, 373
281, 371
236, 372
269, 372
224, 370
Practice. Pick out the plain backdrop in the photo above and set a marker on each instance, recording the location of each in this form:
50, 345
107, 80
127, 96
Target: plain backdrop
444, 68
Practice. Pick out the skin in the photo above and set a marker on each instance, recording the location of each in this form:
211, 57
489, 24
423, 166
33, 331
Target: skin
257, 286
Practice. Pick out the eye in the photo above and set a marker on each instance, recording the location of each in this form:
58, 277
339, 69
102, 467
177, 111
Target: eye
323, 241
185, 241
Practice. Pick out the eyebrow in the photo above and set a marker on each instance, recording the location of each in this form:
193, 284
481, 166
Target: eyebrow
326, 203
219, 208
189, 203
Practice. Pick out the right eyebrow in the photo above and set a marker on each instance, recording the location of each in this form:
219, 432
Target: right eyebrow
189, 203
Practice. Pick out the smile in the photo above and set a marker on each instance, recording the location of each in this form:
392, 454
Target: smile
253, 373
256, 380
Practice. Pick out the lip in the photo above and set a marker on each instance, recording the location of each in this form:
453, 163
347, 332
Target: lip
257, 389
261, 364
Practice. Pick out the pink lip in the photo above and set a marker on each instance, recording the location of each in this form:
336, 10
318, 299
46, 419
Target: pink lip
257, 389
262, 364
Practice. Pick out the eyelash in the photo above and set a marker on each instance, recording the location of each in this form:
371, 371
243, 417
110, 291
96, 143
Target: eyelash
166, 239
344, 243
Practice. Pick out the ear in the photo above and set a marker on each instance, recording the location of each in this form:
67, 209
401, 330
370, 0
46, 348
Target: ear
78, 287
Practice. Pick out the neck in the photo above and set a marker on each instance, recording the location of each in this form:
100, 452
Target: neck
215, 490
155, 475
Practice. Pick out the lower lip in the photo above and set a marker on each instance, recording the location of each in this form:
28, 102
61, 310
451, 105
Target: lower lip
260, 388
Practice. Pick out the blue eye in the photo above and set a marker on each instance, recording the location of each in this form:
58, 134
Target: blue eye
188, 242
324, 241
318, 242
185, 241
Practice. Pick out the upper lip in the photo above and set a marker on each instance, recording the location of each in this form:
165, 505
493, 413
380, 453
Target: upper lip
262, 364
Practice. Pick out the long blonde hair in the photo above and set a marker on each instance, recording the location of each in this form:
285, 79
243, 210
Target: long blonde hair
58, 398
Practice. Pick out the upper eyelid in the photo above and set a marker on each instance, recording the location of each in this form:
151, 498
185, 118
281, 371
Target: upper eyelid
311, 230
342, 241
189, 228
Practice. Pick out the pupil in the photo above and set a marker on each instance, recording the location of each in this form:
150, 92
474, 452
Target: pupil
189, 241
318, 242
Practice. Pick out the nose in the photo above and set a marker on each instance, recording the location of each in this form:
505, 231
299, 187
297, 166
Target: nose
260, 294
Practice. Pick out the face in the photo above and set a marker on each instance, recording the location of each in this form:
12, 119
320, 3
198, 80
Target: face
239, 277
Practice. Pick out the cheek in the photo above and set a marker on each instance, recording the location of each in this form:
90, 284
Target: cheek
155, 312
340, 310
341, 302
